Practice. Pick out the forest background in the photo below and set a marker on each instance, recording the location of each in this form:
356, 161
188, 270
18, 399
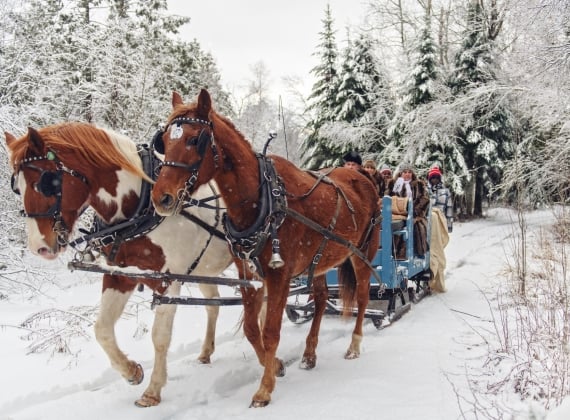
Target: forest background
479, 86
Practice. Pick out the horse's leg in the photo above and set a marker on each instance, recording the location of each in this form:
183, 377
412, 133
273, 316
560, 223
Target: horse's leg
115, 295
209, 344
362, 273
277, 290
252, 300
161, 337
320, 295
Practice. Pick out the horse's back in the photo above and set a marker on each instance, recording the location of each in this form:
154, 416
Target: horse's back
343, 202
358, 189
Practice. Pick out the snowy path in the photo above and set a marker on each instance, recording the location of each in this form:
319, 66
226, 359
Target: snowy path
406, 371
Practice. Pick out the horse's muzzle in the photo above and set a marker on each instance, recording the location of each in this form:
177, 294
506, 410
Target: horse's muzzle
167, 206
49, 253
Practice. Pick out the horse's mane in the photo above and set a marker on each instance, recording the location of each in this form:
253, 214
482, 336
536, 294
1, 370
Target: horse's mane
182, 110
96, 146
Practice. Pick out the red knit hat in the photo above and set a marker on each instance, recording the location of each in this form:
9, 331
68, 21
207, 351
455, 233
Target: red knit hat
435, 171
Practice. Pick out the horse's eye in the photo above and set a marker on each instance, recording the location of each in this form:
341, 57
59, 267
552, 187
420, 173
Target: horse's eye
191, 142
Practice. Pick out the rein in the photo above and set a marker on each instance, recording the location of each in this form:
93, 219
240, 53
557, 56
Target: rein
145, 218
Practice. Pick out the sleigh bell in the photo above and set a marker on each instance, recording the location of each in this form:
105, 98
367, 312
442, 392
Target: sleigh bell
276, 261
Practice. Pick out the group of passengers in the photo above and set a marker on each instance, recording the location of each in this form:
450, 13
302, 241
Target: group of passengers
405, 183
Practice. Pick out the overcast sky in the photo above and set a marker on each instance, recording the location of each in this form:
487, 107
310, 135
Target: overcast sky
283, 34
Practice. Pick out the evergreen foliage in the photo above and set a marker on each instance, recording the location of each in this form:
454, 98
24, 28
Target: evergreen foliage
484, 135
317, 151
110, 62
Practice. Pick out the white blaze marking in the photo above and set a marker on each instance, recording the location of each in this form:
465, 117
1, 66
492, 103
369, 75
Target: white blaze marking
36, 240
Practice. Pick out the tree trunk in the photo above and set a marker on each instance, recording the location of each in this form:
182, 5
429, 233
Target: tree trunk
470, 195
478, 199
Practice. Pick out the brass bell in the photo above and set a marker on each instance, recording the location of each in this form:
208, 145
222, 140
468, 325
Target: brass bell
276, 261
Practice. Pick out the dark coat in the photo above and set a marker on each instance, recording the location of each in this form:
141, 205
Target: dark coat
421, 200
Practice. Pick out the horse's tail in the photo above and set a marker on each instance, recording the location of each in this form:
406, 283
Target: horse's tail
347, 282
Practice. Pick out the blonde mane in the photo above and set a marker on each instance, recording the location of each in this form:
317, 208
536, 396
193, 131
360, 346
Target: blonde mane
94, 146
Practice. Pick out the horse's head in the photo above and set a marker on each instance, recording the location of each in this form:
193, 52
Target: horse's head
190, 153
53, 194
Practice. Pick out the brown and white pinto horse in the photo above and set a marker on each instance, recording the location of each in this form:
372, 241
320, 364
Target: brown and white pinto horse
60, 170
328, 219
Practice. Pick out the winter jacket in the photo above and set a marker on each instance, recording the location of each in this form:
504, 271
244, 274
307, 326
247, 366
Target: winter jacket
441, 198
421, 200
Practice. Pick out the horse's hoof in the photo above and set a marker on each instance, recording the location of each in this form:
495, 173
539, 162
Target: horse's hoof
147, 401
281, 369
350, 355
258, 404
308, 363
138, 376
205, 360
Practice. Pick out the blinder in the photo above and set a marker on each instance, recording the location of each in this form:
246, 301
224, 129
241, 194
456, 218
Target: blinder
13, 184
201, 142
157, 142
50, 183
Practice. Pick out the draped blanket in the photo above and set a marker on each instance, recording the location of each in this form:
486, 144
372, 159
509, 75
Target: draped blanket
439, 240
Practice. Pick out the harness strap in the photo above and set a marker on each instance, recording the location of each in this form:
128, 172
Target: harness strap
249, 243
330, 235
319, 254
210, 229
321, 177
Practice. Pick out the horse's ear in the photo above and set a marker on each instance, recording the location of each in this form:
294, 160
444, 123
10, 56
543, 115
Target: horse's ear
9, 138
176, 99
36, 141
204, 104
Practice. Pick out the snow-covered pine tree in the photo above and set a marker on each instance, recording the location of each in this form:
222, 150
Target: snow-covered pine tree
485, 131
117, 67
316, 150
414, 137
422, 89
365, 103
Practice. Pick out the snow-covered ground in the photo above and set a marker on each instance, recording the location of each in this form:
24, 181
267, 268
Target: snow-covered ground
415, 369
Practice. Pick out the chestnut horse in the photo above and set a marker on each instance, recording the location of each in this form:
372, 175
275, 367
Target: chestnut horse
281, 222
62, 169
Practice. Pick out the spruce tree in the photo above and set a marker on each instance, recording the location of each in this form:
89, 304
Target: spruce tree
373, 105
485, 135
421, 93
316, 150
409, 138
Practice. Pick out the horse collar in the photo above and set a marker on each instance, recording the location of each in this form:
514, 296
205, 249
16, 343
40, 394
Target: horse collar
250, 242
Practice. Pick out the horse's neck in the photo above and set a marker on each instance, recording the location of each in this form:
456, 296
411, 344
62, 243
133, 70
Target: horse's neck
239, 186
118, 203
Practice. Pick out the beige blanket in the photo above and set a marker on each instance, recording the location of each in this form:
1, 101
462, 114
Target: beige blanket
439, 240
